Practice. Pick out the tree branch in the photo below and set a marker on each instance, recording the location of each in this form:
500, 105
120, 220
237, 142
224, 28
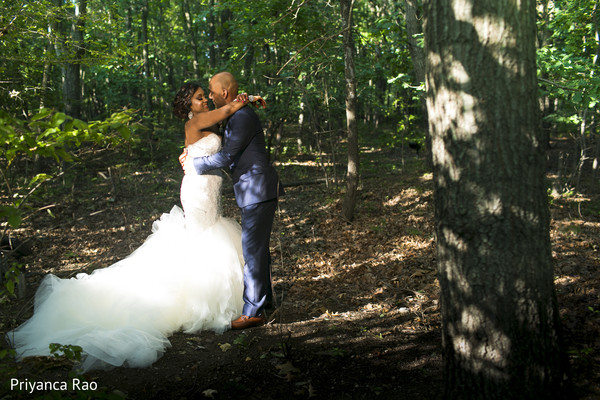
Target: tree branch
558, 85
308, 44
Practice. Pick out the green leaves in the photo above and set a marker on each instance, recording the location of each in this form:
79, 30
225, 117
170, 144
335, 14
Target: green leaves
11, 214
70, 352
51, 134
11, 280
54, 135
568, 71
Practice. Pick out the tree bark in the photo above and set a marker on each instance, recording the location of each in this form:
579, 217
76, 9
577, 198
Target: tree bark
212, 53
349, 51
77, 34
146, 56
500, 323
413, 27
46, 72
71, 55
191, 33
224, 38
417, 55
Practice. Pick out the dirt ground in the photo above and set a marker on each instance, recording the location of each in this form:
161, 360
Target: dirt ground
356, 313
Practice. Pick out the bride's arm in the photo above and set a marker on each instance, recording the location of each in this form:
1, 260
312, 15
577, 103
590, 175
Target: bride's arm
207, 119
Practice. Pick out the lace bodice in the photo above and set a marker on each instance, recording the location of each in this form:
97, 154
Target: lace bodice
201, 194
206, 146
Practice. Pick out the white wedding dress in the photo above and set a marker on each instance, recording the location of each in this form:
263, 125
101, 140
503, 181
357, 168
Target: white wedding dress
187, 276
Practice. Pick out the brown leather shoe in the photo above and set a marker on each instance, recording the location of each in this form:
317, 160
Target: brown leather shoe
245, 321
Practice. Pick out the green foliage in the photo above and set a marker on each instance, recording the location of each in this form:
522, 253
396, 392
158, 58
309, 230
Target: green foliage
70, 352
53, 135
406, 131
337, 352
568, 61
7, 366
242, 340
288, 52
11, 280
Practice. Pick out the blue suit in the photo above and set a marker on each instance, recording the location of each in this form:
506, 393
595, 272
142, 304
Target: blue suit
256, 186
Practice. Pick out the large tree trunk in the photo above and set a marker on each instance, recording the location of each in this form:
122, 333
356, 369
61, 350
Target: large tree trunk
499, 312
349, 51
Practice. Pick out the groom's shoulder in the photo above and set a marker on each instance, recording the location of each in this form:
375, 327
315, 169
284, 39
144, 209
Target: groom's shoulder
249, 111
245, 114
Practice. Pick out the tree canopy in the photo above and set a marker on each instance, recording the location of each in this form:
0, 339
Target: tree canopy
135, 54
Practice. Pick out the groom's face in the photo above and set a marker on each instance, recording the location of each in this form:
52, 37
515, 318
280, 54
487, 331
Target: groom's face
216, 93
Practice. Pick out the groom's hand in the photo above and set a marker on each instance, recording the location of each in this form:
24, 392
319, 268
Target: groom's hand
182, 158
188, 166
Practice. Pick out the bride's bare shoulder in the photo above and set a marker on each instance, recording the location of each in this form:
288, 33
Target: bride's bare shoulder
198, 136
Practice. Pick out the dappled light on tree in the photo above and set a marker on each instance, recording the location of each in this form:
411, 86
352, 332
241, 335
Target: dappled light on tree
500, 322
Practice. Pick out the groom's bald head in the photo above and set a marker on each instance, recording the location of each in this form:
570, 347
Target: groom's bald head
223, 88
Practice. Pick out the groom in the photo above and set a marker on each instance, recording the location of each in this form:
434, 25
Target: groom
257, 188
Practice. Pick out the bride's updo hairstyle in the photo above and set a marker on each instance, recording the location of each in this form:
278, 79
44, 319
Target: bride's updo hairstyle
183, 99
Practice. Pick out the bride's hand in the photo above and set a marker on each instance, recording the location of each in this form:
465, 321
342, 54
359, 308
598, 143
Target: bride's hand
256, 100
243, 98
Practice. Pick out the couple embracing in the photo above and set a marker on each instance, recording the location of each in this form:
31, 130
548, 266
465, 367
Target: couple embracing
196, 271
256, 187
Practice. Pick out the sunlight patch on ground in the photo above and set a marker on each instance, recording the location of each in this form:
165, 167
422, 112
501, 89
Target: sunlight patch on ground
322, 276
408, 197
426, 177
308, 163
567, 280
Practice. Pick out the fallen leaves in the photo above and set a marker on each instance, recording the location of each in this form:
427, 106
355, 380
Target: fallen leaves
210, 393
225, 347
287, 371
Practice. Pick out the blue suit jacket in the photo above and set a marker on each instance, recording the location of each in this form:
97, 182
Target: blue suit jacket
244, 153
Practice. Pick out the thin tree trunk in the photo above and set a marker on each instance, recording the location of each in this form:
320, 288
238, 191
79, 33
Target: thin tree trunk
145, 56
46, 73
500, 323
212, 53
70, 68
349, 51
417, 55
185, 7
225, 36
413, 28
77, 35
595, 162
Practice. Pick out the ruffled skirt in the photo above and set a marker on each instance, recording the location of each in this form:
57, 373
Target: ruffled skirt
179, 279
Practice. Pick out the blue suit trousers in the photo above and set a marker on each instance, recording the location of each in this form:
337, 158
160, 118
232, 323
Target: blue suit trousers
257, 222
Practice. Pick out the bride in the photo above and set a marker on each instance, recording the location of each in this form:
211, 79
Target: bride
187, 275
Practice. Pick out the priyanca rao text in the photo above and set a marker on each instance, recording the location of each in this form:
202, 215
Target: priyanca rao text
26, 385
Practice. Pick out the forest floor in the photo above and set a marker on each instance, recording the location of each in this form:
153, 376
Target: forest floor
357, 312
